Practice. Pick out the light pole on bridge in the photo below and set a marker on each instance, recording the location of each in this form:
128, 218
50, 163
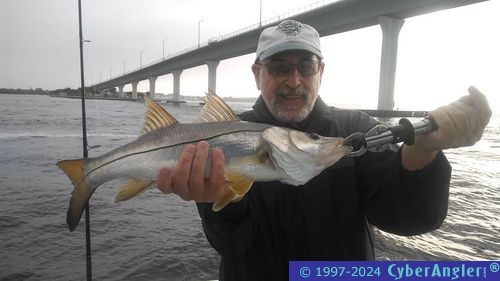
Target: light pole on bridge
124, 66
200, 21
260, 14
164, 48
140, 58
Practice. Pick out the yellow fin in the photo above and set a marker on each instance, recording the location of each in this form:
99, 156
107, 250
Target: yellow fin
226, 199
238, 184
215, 110
74, 169
156, 117
130, 189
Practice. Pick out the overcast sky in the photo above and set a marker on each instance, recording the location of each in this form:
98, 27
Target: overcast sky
440, 54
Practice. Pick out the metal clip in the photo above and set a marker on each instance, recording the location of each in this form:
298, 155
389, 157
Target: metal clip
376, 131
358, 143
380, 137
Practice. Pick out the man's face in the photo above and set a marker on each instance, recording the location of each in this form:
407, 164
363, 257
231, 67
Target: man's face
289, 96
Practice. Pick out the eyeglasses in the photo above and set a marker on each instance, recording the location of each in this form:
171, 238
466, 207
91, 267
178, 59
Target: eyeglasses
282, 68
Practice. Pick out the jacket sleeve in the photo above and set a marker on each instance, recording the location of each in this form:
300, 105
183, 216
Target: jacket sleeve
230, 230
400, 201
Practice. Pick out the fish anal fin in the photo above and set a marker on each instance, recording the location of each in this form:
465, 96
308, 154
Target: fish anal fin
226, 199
131, 189
215, 110
238, 185
156, 116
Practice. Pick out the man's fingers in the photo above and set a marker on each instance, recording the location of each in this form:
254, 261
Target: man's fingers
216, 183
164, 180
183, 171
452, 132
462, 122
197, 178
476, 123
467, 123
481, 104
188, 178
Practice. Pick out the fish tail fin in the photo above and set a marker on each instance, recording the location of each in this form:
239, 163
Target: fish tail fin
239, 185
131, 189
74, 169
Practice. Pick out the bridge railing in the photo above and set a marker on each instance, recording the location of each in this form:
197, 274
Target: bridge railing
274, 19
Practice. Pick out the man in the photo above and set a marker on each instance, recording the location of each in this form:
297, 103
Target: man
402, 191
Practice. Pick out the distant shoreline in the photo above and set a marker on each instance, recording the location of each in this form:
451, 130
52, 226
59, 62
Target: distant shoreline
184, 98
371, 112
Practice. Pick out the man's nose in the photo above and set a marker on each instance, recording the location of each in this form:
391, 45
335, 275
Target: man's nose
293, 78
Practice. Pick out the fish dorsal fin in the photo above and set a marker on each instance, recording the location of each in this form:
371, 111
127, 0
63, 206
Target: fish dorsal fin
215, 110
156, 117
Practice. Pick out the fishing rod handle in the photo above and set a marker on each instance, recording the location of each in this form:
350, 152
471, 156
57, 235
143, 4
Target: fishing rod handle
379, 137
406, 131
425, 126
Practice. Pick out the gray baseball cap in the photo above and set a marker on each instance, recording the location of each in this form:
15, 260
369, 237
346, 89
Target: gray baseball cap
288, 35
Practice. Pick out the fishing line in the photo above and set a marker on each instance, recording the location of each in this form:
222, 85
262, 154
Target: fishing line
85, 145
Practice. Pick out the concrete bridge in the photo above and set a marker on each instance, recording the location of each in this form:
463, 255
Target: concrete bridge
335, 17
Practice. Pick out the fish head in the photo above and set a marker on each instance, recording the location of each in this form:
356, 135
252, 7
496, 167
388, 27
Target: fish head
301, 156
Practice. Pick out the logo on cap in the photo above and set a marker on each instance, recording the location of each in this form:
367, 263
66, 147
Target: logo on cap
290, 28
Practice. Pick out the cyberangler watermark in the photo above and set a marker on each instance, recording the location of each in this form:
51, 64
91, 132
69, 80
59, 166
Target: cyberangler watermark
394, 270
436, 270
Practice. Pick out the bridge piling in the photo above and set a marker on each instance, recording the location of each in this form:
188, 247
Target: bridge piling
177, 86
120, 91
390, 33
152, 83
134, 90
212, 75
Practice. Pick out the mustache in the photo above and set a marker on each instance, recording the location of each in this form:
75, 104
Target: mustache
291, 92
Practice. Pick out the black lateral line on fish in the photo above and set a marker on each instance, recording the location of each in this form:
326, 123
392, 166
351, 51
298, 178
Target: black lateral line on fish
168, 146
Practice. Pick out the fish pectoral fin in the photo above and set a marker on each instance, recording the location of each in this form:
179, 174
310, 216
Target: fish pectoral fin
130, 189
238, 185
156, 117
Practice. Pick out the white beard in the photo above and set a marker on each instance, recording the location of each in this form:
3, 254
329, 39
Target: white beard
282, 114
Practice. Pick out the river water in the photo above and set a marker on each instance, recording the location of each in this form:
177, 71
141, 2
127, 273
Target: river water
157, 236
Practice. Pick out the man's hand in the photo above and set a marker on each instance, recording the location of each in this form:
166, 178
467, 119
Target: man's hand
460, 123
188, 180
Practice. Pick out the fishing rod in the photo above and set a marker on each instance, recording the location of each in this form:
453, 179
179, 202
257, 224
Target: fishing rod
380, 137
85, 145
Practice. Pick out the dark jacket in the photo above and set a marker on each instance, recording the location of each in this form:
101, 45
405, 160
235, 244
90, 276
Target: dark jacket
328, 218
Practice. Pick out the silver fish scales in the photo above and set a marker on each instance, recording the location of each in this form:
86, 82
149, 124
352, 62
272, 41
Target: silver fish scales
253, 152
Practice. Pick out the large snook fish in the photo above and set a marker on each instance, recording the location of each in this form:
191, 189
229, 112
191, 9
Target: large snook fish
253, 152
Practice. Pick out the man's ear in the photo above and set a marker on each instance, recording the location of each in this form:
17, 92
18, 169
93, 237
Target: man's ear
256, 74
321, 69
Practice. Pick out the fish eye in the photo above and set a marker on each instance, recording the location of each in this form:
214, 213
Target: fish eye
314, 136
